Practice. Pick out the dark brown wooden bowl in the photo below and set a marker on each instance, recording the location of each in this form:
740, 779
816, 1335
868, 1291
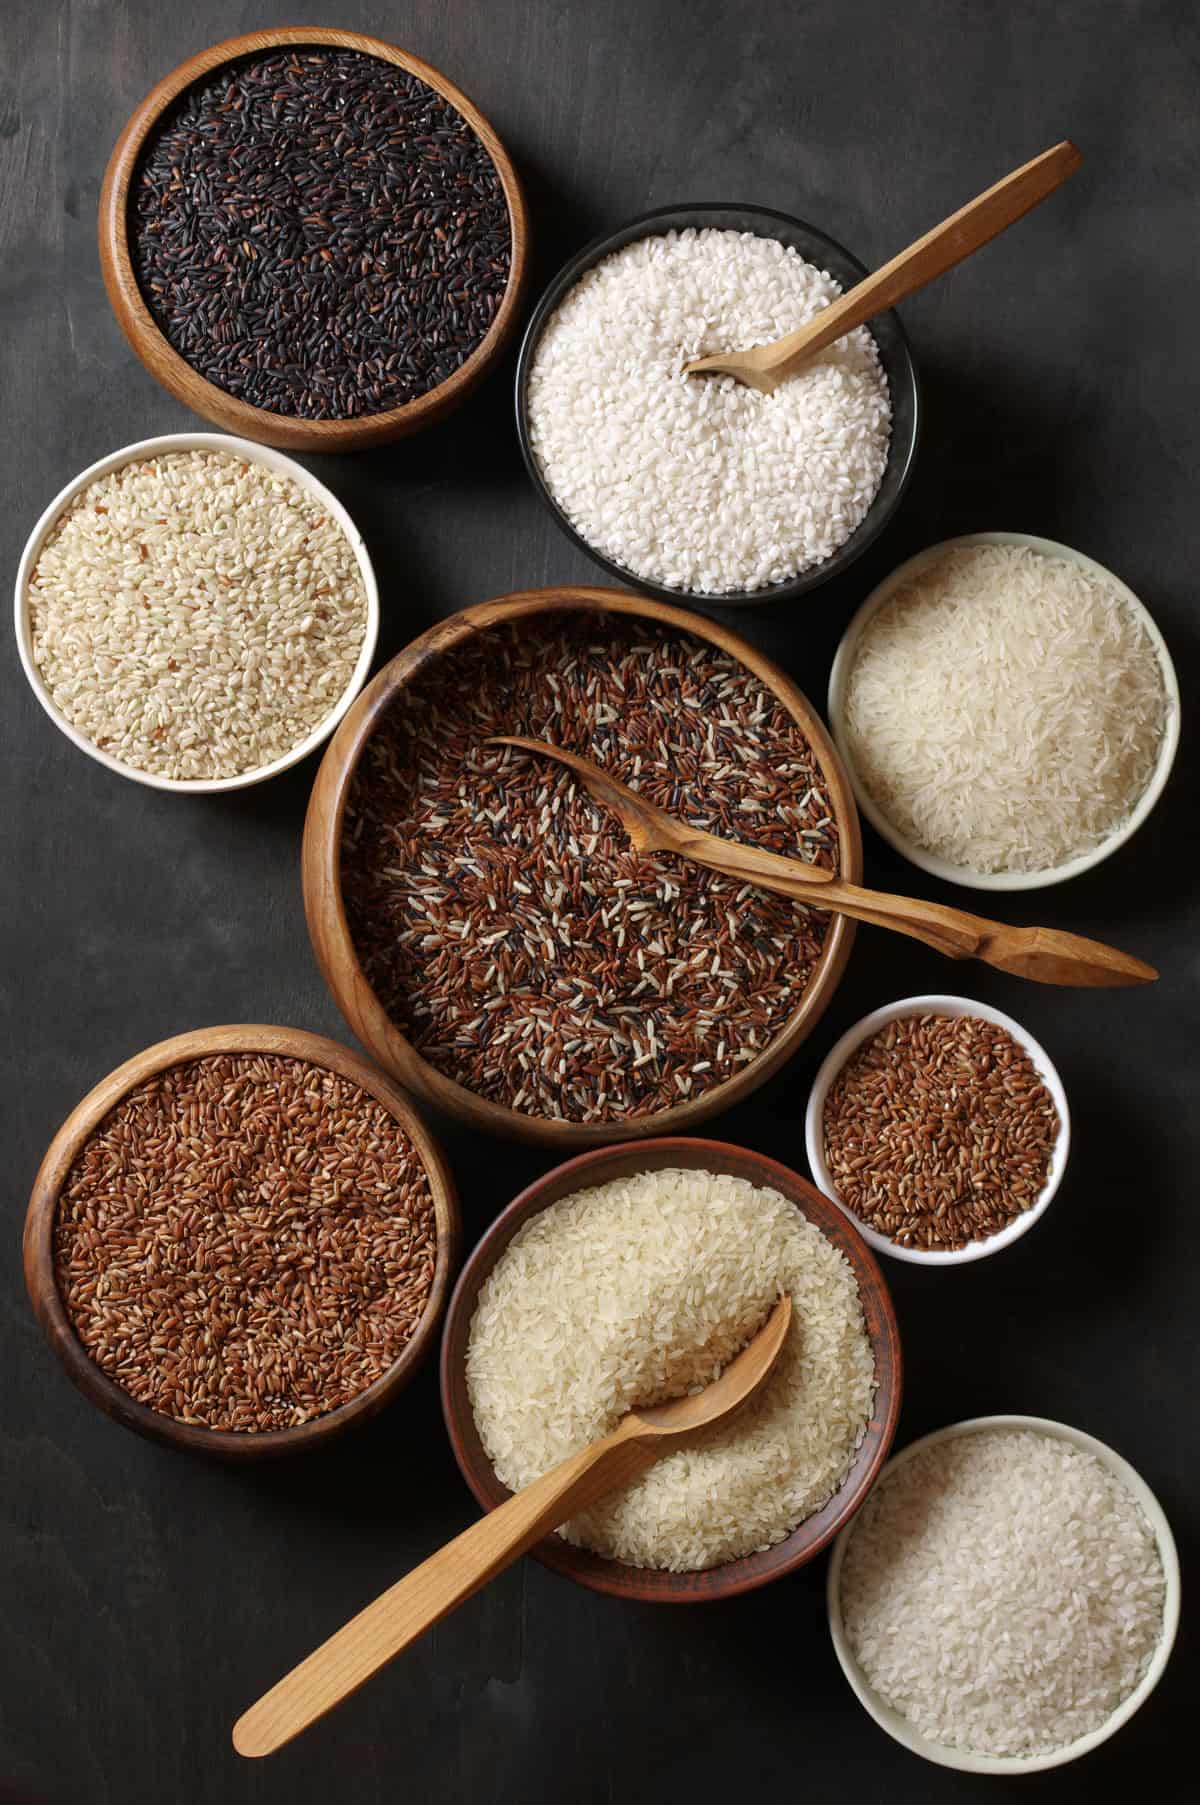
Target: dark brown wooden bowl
174, 372
95, 1384
326, 912
817, 1531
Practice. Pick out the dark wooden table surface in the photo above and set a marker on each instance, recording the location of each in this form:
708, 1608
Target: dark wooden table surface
146, 1597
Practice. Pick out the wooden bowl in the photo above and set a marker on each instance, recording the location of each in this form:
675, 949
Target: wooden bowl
86, 1117
818, 1530
174, 372
326, 912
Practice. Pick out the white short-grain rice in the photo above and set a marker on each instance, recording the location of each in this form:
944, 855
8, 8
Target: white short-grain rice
195, 614
701, 483
1003, 1592
640, 1290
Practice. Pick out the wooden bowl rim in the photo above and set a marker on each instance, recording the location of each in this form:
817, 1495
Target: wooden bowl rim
181, 377
325, 907
818, 1530
181, 1049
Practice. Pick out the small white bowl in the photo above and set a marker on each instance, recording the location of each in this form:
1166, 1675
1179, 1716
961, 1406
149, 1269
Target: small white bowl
930, 861
848, 1045
257, 454
962, 1759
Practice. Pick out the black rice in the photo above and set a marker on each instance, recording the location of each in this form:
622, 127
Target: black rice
319, 233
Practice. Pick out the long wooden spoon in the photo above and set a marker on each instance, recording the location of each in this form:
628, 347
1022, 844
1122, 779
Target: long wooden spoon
1045, 954
765, 366
432, 1590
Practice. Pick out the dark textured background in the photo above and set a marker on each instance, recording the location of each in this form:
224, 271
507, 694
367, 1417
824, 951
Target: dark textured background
145, 1597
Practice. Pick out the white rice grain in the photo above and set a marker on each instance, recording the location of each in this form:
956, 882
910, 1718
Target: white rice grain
643, 1289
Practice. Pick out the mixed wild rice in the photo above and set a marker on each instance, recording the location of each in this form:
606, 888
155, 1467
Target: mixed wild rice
246, 1242
196, 615
500, 914
939, 1131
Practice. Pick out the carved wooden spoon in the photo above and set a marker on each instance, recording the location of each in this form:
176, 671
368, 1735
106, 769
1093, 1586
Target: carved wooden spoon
432, 1590
765, 366
1046, 955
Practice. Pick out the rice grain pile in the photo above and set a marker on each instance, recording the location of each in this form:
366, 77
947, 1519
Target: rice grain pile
1003, 1592
196, 615
643, 1289
699, 482
1005, 709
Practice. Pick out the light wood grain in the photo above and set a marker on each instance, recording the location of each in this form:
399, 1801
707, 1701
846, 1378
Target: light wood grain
292, 1043
186, 383
764, 367
1046, 955
449, 1577
330, 932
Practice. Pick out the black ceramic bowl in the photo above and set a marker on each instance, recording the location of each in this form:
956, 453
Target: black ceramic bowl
894, 354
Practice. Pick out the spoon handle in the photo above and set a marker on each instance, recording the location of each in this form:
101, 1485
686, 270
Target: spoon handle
431, 1591
1047, 955
974, 225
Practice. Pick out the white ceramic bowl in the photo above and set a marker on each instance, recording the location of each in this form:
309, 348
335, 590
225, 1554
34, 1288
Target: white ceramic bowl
929, 861
962, 1759
258, 454
814, 1137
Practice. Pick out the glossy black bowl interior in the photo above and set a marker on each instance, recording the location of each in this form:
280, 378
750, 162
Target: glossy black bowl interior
894, 354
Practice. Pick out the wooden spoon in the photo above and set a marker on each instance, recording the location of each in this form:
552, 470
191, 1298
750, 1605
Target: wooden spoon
432, 1590
765, 366
1045, 954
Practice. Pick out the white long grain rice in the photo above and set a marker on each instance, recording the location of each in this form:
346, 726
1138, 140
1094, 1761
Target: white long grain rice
1005, 708
641, 1290
196, 614
1003, 1592
701, 483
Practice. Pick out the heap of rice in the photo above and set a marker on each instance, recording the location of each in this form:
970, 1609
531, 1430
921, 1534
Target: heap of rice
641, 1290
1005, 708
1003, 1592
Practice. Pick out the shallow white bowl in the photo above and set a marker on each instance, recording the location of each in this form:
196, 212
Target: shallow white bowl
962, 1759
814, 1137
257, 454
965, 874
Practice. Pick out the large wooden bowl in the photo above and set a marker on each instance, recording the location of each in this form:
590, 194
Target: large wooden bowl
87, 1116
817, 1531
326, 912
165, 364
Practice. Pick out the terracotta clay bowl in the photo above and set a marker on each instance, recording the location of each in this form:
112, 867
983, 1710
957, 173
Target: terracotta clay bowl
95, 1384
330, 932
816, 1532
165, 364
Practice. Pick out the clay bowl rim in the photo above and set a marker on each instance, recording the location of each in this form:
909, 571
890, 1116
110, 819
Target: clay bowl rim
182, 379
817, 1532
47, 1303
886, 329
326, 915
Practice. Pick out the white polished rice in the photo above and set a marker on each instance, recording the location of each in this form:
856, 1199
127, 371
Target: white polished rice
196, 614
701, 483
640, 1290
1003, 1592
1005, 708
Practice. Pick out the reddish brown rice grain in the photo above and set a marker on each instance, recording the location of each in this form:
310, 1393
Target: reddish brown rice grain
245, 1242
500, 914
938, 1131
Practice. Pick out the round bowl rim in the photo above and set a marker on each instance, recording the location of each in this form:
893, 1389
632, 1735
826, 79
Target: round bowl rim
326, 915
864, 535
964, 1760
749, 1572
964, 875
162, 445
180, 377
936, 1003
85, 1117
